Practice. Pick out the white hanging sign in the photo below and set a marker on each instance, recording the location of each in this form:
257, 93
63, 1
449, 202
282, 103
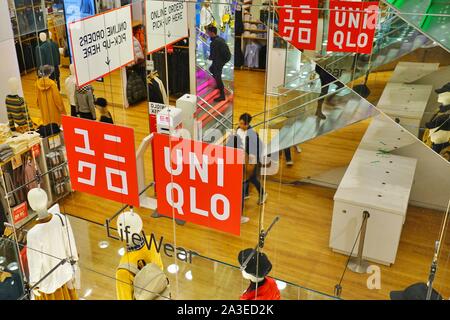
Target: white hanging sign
101, 44
166, 23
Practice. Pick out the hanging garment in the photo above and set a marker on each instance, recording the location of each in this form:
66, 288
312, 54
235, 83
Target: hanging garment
162, 90
267, 291
18, 114
136, 90
138, 52
206, 18
107, 118
30, 174
12, 287
84, 102
238, 54
48, 242
13, 198
49, 101
154, 92
47, 53
251, 55
71, 84
262, 57
124, 278
63, 293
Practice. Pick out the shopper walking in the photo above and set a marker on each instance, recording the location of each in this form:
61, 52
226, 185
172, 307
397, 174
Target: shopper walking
253, 146
102, 107
219, 55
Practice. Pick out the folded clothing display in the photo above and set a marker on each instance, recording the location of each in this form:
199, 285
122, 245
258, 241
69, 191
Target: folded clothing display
5, 132
6, 152
32, 137
18, 144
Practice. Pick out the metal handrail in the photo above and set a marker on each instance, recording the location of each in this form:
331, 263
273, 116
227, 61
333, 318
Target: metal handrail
200, 106
212, 108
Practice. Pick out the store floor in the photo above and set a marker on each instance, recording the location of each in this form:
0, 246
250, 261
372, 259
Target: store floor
298, 244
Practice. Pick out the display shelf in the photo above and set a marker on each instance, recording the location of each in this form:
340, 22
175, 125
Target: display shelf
252, 22
256, 30
19, 153
31, 216
254, 38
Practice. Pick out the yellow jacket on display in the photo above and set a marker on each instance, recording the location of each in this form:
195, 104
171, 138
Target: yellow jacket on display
49, 101
124, 278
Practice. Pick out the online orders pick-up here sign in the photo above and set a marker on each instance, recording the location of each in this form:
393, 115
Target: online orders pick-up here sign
199, 182
101, 44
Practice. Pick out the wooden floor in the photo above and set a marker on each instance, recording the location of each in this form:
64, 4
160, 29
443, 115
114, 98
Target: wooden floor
298, 244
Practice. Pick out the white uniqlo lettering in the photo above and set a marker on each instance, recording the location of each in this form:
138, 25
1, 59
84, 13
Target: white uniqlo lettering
92, 166
288, 31
112, 171
305, 9
86, 149
304, 35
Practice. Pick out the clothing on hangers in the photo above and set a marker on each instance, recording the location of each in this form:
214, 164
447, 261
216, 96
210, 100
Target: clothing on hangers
251, 55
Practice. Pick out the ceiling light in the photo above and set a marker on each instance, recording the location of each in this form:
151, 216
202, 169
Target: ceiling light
173, 268
121, 251
281, 284
188, 275
103, 244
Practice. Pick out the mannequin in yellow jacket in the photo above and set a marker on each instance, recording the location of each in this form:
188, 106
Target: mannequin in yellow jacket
138, 255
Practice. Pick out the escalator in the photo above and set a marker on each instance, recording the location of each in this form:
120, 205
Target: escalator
432, 17
213, 118
294, 115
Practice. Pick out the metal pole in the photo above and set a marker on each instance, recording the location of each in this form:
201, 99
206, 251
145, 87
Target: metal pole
357, 264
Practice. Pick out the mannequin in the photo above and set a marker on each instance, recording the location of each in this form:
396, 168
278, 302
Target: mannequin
206, 16
17, 109
437, 134
49, 100
48, 242
71, 84
136, 254
47, 53
261, 287
84, 102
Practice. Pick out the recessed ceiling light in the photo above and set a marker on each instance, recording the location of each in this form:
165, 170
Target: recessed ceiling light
281, 284
173, 268
103, 244
87, 293
188, 275
121, 251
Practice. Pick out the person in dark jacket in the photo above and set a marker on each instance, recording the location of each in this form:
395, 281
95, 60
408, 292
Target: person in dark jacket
102, 107
219, 55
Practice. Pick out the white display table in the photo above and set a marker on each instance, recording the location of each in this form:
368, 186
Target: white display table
405, 103
406, 72
379, 183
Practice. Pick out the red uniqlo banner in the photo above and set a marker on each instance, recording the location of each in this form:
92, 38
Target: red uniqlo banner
102, 159
352, 26
298, 21
20, 212
199, 182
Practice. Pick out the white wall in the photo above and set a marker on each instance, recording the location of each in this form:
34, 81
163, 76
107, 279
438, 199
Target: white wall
9, 67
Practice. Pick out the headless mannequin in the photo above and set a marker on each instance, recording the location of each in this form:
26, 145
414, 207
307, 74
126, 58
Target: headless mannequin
71, 85
17, 109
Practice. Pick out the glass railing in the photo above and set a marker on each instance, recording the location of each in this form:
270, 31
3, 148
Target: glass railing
197, 278
432, 17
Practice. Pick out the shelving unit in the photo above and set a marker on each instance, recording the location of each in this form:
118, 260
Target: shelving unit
26, 28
